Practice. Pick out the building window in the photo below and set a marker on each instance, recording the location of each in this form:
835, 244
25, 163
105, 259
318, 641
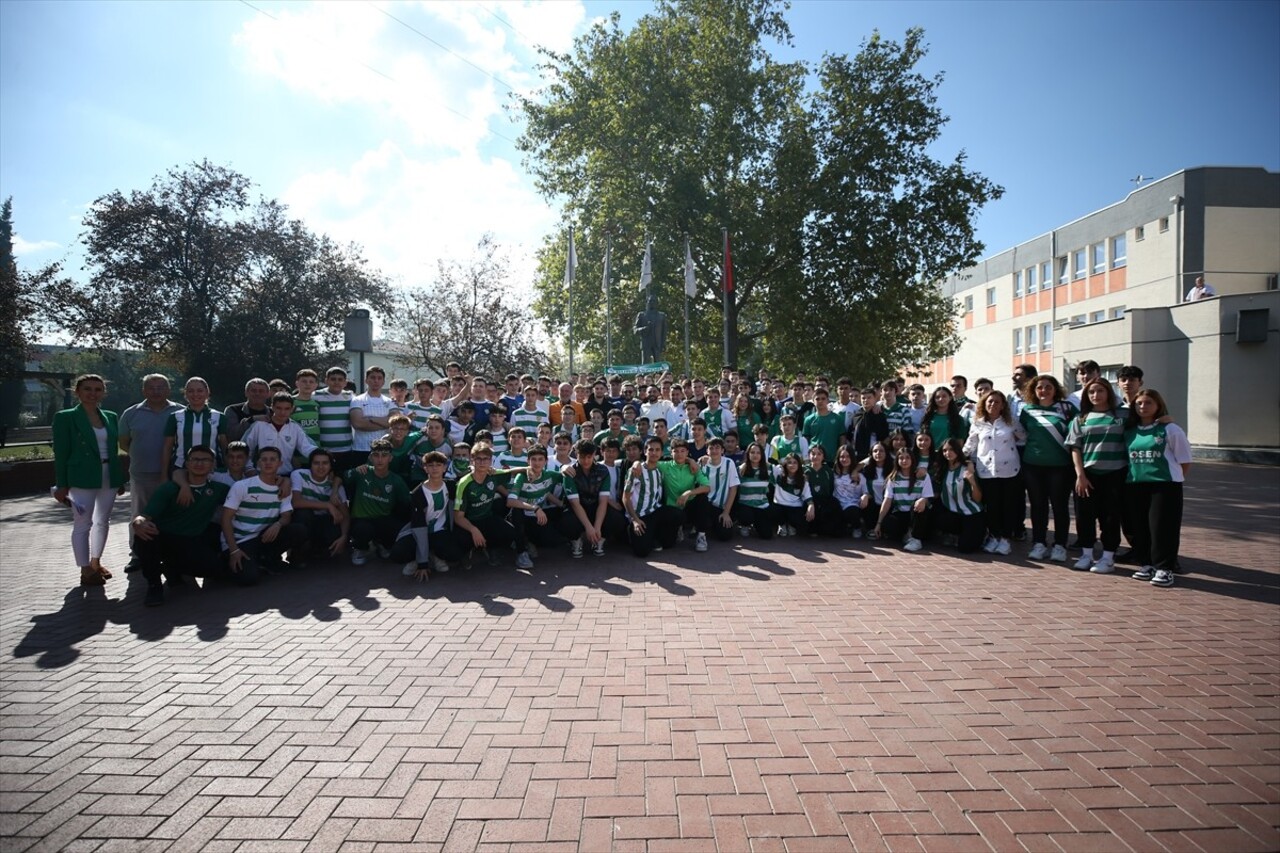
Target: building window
1117, 313
1062, 271
1031, 279
1117, 252
1017, 284
1139, 233
1097, 316
1099, 257
1031, 338
1046, 336
1077, 264
968, 304
991, 296
1017, 342
1046, 276
1164, 224
1078, 320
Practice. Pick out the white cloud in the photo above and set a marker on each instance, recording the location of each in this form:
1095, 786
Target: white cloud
440, 178
27, 247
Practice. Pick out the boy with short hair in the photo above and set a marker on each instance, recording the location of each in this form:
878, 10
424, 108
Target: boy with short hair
379, 501
534, 506
334, 418
255, 521
722, 484
282, 432
790, 441
319, 510
306, 411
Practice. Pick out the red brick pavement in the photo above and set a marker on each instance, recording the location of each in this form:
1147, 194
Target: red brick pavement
802, 697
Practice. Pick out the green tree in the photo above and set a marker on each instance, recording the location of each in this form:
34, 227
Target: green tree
193, 269
469, 315
840, 221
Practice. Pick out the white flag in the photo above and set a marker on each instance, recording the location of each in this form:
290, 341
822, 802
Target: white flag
604, 283
646, 267
572, 263
690, 283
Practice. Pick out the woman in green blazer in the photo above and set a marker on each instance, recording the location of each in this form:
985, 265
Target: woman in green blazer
89, 473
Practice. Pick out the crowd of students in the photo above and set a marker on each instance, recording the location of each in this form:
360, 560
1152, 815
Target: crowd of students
436, 476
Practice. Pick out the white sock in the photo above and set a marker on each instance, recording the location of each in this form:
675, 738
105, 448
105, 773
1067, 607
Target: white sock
1108, 555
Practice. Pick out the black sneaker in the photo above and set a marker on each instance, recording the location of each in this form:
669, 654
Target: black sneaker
155, 596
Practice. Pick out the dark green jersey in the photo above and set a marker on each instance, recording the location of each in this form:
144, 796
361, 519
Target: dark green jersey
479, 500
373, 496
190, 520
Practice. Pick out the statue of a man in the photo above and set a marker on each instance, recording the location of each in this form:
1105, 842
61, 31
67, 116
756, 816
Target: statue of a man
651, 326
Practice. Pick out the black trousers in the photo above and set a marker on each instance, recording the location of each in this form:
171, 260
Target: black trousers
314, 528
1156, 515
828, 520
971, 529
851, 518
715, 527
901, 525
369, 531
660, 528
614, 527
171, 555
1101, 510
794, 516
1049, 487
498, 534
764, 520
527, 529
1002, 497
259, 554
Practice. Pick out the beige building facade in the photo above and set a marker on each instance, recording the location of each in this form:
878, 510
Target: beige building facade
1111, 286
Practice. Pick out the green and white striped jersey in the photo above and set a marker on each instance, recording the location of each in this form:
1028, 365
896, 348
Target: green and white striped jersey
1100, 438
419, 413
435, 507
526, 489
335, 420
645, 489
528, 421
780, 447
256, 506
957, 493
191, 428
904, 493
721, 478
754, 491
304, 485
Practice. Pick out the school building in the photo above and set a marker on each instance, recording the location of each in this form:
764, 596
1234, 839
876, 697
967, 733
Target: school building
1110, 287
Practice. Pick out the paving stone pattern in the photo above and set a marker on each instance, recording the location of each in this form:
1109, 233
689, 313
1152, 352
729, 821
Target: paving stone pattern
808, 696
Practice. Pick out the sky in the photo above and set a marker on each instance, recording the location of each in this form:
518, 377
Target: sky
385, 123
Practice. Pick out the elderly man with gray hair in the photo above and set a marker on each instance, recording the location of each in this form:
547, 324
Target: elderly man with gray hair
142, 437
240, 416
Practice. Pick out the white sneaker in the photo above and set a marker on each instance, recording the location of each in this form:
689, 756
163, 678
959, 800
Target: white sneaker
1058, 554
576, 548
791, 530
991, 544
1163, 577
1038, 551
700, 544
680, 533
410, 569
782, 531
383, 551
524, 561
533, 550
857, 533
1085, 561
1003, 547
1145, 573
913, 544
744, 531
359, 556
1104, 566
439, 565
598, 550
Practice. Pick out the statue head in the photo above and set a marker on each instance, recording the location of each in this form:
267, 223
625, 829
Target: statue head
652, 303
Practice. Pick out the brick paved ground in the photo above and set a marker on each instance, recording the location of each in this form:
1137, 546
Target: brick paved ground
788, 699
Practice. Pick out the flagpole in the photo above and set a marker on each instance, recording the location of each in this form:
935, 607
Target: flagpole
608, 305
568, 284
726, 274
688, 257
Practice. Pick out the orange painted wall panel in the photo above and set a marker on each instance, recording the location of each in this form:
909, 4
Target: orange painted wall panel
1077, 291
1046, 300
1017, 307
1117, 279
968, 320
1097, 286
991, 313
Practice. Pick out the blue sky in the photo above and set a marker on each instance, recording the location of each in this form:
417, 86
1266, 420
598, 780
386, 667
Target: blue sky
373, 133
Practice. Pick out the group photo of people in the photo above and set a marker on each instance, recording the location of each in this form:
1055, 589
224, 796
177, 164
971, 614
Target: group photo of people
441, 475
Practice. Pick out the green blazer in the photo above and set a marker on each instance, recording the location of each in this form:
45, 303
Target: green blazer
76, 462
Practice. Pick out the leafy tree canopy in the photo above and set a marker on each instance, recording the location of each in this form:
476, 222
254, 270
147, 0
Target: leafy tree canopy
840, 216
219, 284
468, 315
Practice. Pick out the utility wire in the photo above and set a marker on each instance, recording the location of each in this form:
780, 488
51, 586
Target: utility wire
391, 79
445, 48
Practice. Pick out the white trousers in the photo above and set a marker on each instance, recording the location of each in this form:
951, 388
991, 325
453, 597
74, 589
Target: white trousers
91, 513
